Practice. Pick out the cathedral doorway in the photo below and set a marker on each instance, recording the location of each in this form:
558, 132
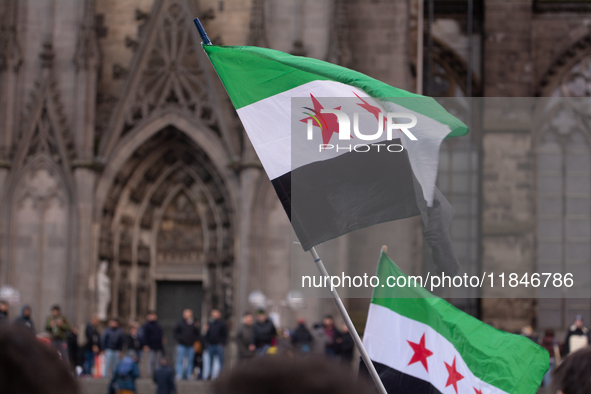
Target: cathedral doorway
167, 221
172, 297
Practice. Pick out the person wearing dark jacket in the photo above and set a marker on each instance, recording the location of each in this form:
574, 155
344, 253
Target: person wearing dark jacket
132, 341
153, 341
3, 312
112, 344
550, 343
186, 334
264, 333
245, 338
577, 336
25, 319
301, 338
215, 338
73, 348
164, 378
92, 345
347, 346
333, 335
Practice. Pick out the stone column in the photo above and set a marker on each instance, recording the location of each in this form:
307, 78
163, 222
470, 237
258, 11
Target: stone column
508, 215
85, 260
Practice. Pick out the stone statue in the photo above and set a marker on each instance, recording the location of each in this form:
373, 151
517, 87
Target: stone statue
103, 284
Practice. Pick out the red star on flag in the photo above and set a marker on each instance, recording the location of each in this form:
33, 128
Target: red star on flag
421, 352
328, 122
477, 391
454, 375
372, 109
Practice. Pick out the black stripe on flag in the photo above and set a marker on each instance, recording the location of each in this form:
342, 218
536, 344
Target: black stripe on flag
329, 198
398, 382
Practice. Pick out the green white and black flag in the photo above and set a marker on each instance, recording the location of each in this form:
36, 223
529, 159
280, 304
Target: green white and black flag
421, 344
328, 189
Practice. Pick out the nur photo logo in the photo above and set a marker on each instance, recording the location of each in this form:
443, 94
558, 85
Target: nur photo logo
336, 120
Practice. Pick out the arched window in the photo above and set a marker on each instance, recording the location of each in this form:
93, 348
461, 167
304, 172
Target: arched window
564, 206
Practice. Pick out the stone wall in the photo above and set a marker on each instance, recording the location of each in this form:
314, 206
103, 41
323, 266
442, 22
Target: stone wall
508, 64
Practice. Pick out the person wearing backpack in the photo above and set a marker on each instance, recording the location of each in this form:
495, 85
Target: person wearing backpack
124, 375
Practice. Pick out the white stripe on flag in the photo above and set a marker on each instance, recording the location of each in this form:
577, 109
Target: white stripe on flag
386, 336
269, 125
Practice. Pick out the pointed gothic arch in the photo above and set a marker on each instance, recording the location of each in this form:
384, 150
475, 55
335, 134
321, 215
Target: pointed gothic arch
166, 205
46, 132
562, 141
170, 71
449, 72
569, 75
38, 205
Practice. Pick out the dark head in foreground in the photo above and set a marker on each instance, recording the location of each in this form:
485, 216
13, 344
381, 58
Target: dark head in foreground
28, 366
278, 375
573, 376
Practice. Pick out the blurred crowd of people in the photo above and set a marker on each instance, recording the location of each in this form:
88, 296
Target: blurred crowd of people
200, 351
259, 336
578, 337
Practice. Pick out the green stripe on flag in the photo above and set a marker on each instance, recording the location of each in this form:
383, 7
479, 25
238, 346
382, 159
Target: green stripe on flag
251, 74
512, 363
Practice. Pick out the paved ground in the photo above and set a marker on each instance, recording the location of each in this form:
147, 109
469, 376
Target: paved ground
144, 386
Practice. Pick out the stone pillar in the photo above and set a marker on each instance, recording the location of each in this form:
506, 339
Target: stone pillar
379, 40
85, 258
508, 216
248, 181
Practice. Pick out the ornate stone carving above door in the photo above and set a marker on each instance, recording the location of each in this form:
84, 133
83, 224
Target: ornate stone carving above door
167, 215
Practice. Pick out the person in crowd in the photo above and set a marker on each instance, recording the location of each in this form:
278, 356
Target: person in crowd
572, 375
264, 333
245, 338
198, 350
333, 336
57, 326
92, 345
347, 346
73, 348
132, 341
153, 341
25, 319
577, 336
124, 375
550, 343
319, 339
186, 333
290, 375
529, 333
215, 338
301, 338
112, 344
164, 378
3, 312
40, 372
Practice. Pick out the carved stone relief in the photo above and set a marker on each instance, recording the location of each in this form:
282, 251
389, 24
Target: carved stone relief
172, 75
167, 214
40, 239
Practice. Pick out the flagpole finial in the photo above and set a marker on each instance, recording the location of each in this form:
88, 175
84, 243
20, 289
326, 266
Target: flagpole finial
384, 248
202, 33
